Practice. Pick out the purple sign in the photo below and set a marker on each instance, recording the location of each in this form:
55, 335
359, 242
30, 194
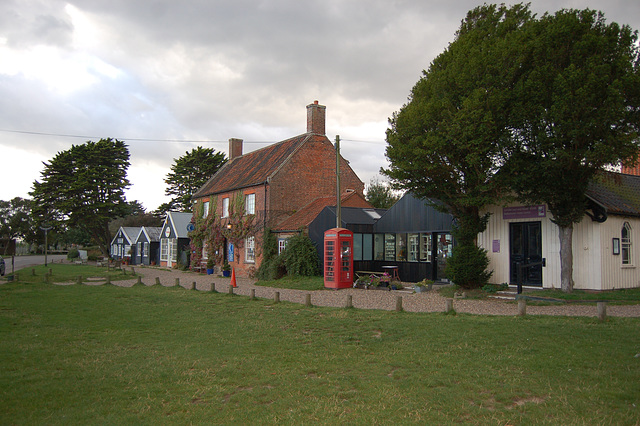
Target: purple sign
524, 212
496, 246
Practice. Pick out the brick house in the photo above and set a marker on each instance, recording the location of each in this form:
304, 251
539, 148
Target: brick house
274, 183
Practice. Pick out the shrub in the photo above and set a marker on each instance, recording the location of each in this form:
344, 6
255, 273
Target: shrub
73, 254
300, 256
467, 267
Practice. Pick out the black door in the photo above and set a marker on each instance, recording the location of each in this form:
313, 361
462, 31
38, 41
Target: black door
525, 240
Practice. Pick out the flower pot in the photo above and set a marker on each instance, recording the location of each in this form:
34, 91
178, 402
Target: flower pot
420, 289
226, 273
209, 271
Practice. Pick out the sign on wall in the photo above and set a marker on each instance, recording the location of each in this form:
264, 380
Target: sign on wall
524, 212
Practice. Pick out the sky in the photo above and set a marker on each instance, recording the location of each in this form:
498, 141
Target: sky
166, 76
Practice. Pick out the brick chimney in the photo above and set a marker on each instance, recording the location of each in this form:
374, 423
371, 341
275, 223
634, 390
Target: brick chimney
235, 148
315, 118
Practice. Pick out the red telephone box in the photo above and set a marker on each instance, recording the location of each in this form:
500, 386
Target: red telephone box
338, 258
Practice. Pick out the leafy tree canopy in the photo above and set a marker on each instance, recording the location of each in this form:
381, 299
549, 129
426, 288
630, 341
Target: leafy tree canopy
83, 187
188, 174
15, 219
380, 196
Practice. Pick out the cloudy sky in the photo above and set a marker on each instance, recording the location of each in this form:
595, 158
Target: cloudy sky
166, 76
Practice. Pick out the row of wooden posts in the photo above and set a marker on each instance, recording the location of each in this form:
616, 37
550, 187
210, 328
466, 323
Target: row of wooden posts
522, 303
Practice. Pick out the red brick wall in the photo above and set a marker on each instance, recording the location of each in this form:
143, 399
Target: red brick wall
310, 174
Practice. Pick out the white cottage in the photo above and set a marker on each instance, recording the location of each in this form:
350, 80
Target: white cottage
523, 243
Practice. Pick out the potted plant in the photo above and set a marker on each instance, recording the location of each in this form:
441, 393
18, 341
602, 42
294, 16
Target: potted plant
209, 266
226, 269
423, 286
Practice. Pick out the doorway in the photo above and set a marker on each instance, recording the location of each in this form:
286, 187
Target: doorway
525, 259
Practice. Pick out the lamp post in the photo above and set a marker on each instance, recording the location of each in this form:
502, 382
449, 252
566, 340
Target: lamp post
46, 245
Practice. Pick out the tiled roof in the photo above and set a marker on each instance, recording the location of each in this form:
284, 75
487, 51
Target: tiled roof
617, 193
303, 217
253, 168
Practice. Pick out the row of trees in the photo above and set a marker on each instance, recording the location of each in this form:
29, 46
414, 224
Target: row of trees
518, 108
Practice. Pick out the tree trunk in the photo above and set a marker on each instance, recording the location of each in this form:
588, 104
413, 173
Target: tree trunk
566, 258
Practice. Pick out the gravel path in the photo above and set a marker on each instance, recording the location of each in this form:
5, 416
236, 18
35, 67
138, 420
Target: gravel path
365, 299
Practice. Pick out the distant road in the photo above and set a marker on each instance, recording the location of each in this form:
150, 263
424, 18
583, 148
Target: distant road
26, 261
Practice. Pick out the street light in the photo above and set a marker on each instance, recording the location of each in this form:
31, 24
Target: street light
45, 229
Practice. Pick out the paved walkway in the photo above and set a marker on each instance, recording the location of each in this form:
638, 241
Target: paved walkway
363, 299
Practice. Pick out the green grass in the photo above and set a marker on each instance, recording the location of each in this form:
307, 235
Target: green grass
296, 283
631, 295
155, 355
64, 272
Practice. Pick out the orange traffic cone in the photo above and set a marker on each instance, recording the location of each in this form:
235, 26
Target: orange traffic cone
233, 277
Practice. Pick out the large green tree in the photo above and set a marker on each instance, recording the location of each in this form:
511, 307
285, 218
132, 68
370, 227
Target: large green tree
188, 173
577, 111
83, 187
15, 219
380, 196
447, 142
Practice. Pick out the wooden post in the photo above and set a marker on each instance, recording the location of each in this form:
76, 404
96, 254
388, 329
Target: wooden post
50, 271
602, 310
33, 272
522, 307
349, 303
252, 293
79, 281
108, 279
193, 285
449, 306
133, 271
177, 281
139, 280
230, 289
213, 287
157, 280
398, 303
276, 297
307, 299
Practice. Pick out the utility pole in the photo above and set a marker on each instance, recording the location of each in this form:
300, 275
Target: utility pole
45, 229
338, 206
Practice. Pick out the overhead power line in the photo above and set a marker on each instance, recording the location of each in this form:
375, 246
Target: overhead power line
63, 135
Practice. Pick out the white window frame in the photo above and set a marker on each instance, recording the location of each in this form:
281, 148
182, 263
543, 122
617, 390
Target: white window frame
173, 249
250, 250
625, 245
164, 249
205, 209
282, 244
225, 207
250, 203
145, 249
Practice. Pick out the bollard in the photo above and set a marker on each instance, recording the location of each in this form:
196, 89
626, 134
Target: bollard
252, 294
50, 271
449, 306
276, 297
108, 279
177, 281
33, 272
45, 278
79, 281
602, 310
193, 286
157, 280
349, 303
213, 287
230, 289
522, 307
398, 303
307, 299
139, 280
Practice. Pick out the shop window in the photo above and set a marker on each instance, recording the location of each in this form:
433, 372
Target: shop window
357, 246
626, 244
414, 247
425, 248
401, 247
390, 247
378, 246
367, 247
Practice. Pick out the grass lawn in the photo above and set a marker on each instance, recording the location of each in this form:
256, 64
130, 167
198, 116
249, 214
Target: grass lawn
65, 272
156, 355
296, 283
